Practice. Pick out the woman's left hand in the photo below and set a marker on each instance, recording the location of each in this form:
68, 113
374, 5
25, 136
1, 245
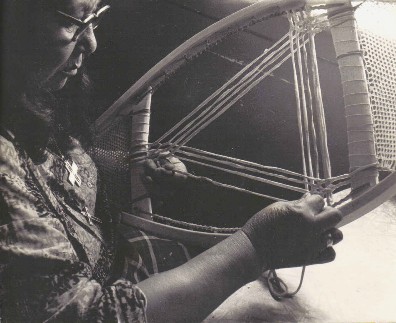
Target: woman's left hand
295, 233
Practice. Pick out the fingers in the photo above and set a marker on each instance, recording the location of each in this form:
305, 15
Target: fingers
157, 171
327, 219
326, 252
150, 167
169, 172
326, 255
332, 236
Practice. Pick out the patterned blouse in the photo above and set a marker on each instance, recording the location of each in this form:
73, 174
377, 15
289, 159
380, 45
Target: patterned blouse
58, 262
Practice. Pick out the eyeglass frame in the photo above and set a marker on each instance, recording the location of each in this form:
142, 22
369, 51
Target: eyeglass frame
83, 25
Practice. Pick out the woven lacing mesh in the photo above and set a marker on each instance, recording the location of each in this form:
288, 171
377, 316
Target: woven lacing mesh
380, 60
111, 154
379, 55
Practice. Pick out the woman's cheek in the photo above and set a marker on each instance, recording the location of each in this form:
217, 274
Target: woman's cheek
59, 48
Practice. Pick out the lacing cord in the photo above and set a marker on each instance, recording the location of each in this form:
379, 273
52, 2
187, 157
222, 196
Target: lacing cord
226, 96
256, 172
186, 225
278, 288
221, 100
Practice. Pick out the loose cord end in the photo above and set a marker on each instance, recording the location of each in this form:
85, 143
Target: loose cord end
278, 288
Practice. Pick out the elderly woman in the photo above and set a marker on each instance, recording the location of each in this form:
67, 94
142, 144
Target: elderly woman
59, 254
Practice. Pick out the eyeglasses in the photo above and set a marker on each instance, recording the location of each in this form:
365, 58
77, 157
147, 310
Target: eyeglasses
93, 20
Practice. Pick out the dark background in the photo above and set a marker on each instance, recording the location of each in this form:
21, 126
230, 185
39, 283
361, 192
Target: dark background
261, 127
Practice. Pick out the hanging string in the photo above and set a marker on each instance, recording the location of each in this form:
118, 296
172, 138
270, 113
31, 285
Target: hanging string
278, 288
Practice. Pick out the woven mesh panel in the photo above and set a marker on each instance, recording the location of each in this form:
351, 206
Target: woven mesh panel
111, 154
380, 60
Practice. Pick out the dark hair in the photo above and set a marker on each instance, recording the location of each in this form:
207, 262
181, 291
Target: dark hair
32, 113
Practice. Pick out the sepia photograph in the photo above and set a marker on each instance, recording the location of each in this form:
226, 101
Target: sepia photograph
198, 161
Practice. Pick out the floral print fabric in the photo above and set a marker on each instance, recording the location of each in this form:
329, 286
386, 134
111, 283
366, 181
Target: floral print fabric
54, 265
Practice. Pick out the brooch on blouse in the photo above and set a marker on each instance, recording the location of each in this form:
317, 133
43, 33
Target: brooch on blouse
72, 169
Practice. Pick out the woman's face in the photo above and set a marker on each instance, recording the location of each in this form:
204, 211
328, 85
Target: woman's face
56, 57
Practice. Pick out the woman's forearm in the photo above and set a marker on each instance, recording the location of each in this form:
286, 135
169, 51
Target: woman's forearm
285, 234
193, 290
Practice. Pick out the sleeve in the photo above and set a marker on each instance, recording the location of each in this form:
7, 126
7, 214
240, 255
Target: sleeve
41, 278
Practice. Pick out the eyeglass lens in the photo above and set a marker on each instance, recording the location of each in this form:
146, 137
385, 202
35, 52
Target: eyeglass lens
94, 22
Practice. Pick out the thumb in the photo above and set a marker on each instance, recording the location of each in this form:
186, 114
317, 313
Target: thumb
314, 202
150, 167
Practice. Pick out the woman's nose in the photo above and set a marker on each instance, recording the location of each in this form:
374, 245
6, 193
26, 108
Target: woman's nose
88, 41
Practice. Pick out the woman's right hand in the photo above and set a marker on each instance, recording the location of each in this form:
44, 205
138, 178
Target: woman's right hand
164, 177
297, 233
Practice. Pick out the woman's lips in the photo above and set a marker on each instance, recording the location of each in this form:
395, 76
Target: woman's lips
72, 66
71, 71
